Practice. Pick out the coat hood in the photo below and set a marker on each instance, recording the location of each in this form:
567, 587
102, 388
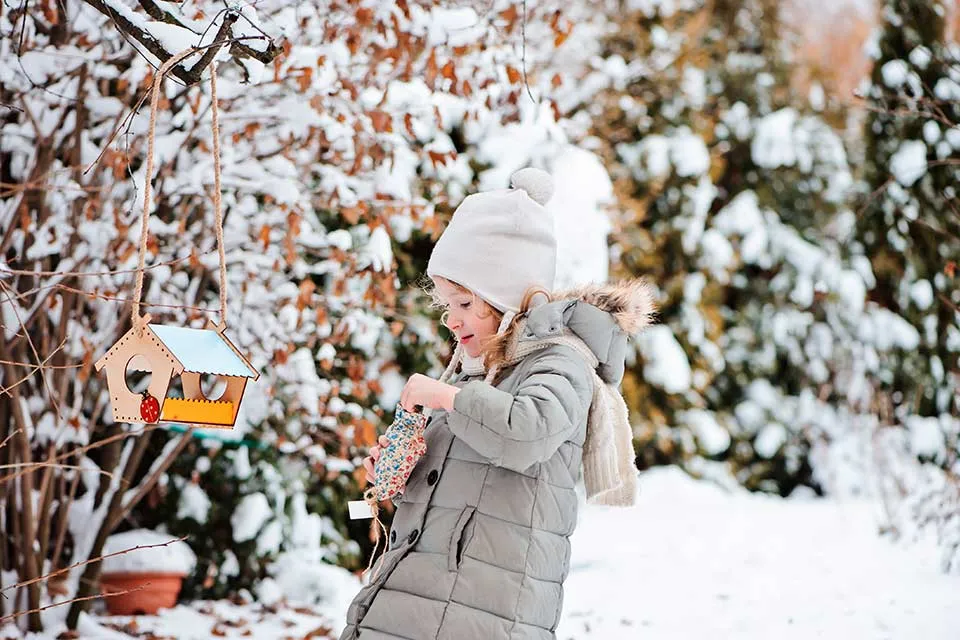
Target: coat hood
603, 316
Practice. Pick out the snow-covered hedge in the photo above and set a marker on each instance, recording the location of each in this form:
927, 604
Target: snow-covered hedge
910, 231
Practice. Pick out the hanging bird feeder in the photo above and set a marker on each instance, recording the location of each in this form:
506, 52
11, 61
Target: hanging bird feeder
167, 352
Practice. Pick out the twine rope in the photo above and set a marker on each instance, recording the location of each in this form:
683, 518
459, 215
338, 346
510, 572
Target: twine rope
147, 190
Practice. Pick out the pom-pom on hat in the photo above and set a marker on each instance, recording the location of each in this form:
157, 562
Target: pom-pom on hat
500, 243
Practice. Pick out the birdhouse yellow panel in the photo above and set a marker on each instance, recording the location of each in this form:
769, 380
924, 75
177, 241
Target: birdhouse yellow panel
198, 411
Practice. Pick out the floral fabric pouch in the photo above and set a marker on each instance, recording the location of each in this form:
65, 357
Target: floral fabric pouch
397, 460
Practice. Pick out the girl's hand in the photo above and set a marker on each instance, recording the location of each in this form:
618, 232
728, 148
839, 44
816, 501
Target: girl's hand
371, 460
428, 393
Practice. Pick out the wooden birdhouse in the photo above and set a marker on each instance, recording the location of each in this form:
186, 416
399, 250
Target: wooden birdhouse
166, 352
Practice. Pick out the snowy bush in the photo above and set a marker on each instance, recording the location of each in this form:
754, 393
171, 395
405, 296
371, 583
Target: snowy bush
910, 232
735, 190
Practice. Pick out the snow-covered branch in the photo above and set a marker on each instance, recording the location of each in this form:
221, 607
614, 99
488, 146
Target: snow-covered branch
163, 43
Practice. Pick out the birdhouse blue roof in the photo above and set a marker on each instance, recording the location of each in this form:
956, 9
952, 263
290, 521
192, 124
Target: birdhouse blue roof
203, 351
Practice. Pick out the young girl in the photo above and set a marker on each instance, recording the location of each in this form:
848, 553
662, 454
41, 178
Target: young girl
479, 547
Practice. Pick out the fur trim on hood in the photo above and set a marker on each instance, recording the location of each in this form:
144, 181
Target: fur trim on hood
630, 302
603, 316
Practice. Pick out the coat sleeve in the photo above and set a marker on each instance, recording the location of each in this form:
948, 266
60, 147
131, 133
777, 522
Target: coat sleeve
517, 430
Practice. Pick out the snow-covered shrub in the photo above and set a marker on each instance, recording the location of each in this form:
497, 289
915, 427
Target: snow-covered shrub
909, 229
734, 189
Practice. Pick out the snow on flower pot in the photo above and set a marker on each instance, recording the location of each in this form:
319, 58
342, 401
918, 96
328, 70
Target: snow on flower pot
147, 577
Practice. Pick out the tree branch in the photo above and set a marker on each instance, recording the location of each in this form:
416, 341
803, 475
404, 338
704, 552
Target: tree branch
129, 27
225, 31
119, 507
91, 560
25, 543
238, 49
158, 14
126, 26
170, 452
91, 575
72, 602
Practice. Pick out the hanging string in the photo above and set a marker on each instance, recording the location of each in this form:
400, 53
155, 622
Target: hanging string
218, 213
147, 191
379, 533
151, 142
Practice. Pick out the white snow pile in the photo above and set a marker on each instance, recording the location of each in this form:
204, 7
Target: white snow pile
909, 163
147, 551
692, 560
666, 364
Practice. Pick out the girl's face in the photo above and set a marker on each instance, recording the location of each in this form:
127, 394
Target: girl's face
471, 320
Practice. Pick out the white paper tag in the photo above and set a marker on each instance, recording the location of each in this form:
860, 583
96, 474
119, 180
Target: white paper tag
359, 510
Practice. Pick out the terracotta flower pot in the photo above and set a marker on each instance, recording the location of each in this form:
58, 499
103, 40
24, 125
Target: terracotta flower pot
146, 592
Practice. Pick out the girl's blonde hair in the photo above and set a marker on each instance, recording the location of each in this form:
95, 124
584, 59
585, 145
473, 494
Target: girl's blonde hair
494, 349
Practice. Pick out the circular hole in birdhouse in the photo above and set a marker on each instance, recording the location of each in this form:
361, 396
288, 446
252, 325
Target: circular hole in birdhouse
138, 374
212, 386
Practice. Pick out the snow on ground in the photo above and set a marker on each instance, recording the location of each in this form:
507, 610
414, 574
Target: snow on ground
691, 560
223, 619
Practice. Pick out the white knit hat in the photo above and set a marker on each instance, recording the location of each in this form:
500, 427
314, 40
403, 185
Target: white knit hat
500, 243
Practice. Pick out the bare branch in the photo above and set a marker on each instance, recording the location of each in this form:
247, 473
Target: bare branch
222, 35
85, 448
92, 572
49, 366
34, 368
237, 48
170, 452
33, 466
28, 272
91, 560
17, 614
155, 12
7, 439
33, 348
29, 562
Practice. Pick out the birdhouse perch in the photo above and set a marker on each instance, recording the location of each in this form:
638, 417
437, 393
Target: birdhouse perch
166, 352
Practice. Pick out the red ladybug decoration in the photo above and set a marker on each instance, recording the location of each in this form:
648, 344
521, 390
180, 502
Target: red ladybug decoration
149, 408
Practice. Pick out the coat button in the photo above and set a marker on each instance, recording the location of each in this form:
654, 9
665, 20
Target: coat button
393, 537
432, 477
413, 536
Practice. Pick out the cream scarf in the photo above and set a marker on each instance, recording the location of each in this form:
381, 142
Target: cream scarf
609, 472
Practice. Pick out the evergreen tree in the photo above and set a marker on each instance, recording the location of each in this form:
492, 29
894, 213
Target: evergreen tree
910, 224
909, 228
735, 188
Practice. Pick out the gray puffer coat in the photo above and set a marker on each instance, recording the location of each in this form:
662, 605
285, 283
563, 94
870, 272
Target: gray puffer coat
479, 547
